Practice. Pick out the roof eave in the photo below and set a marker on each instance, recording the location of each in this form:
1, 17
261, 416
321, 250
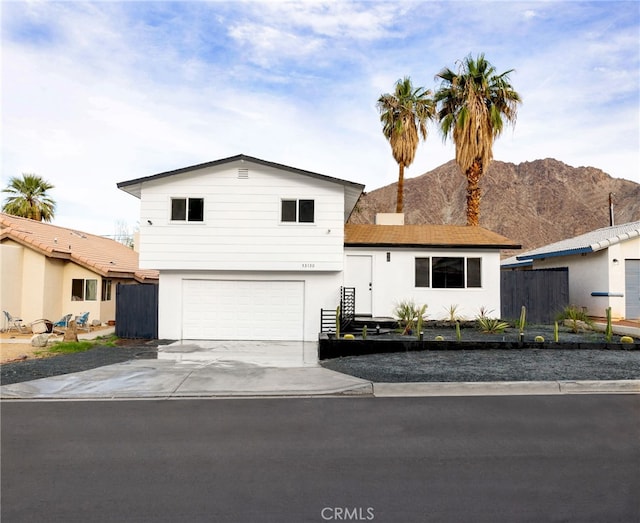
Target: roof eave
433, 245
556, 254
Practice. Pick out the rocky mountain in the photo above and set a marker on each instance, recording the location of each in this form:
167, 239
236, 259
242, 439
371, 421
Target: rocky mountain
533, 203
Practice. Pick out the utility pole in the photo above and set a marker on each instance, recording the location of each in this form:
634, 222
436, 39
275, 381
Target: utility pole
611, 221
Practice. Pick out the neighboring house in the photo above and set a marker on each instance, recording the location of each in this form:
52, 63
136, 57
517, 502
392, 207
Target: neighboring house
49, 271
603, 266
250, 249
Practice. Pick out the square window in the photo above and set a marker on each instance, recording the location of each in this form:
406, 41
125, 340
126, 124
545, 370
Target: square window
422, 272
300, 211
187, 209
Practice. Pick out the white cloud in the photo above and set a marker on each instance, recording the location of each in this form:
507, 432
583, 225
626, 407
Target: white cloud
98, 93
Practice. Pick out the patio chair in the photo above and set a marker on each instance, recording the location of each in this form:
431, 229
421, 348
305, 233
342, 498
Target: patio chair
13, 323
82, 321
63, 322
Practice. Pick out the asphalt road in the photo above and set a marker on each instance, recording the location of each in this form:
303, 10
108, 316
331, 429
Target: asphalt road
480, 459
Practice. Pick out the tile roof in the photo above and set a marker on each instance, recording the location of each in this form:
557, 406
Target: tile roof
424, 236
589, 242
103, 256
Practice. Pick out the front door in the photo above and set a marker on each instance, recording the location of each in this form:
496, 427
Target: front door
358, 275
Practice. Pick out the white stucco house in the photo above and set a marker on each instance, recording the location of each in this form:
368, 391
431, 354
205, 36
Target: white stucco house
251, 249
603, 267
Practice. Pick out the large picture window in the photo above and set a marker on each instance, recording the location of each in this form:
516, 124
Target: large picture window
300, 211
447, 272
82, 290
187, 209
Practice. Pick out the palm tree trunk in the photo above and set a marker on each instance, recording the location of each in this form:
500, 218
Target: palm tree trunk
399, 199
474, 173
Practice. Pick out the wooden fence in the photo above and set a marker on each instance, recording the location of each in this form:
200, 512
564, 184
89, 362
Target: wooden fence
544, 292
137, 311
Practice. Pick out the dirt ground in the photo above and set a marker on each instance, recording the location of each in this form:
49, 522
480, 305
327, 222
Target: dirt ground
16, 347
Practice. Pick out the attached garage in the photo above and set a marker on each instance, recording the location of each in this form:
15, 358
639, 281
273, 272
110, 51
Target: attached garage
242, 309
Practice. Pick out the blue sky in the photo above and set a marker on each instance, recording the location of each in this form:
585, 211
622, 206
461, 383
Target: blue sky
94, 93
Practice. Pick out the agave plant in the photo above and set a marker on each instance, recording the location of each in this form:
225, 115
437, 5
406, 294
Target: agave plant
491, 325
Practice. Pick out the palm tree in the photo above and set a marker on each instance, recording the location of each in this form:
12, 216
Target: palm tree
29, 199
404, 114
471, 106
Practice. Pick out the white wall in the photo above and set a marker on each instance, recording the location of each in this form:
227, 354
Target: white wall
394, 281
321, 290
242, 228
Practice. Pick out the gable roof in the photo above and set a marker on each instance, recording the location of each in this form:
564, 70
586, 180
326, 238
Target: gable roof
589, 242
106, 257
352, 190
369, 235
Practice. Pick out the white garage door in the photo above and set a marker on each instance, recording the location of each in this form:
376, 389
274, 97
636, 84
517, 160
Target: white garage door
242, 310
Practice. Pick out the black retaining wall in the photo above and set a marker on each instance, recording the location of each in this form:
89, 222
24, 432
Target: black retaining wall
336, 348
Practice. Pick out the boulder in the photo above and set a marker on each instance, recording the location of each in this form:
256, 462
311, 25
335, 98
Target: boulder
40, 340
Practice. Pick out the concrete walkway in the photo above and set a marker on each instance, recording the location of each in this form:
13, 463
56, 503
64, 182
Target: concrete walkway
261, 369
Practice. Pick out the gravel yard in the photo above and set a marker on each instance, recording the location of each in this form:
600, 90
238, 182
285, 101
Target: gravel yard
32, 369
491, 365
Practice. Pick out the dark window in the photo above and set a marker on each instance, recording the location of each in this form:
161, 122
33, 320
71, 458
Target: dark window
422, 272
306, 211
77, 290
474, 278
106, 290
187, 209
448, 273
289, 210
196, 210
301, 211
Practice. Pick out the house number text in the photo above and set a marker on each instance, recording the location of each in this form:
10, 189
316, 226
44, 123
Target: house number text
308, 265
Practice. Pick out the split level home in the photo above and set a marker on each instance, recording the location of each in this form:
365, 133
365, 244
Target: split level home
48, 272
603, 268
251, 249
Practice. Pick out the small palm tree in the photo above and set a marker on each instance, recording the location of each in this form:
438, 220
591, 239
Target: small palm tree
29, 199
404, 115
471, 106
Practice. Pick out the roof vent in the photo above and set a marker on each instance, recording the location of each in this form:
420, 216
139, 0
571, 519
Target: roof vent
243, 173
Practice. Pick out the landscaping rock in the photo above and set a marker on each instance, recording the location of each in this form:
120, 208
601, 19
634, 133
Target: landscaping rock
40, 340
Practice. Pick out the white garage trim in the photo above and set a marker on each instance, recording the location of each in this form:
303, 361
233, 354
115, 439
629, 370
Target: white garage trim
242, 309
